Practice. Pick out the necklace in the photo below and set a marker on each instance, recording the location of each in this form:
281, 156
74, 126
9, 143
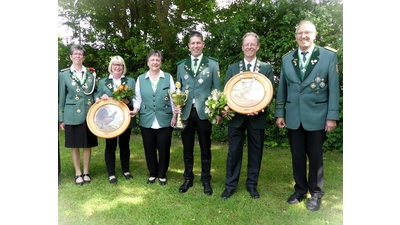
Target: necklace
84, 81
247, 85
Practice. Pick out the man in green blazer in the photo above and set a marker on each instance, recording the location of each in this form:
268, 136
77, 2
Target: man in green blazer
308, 98
254, 123
199, 75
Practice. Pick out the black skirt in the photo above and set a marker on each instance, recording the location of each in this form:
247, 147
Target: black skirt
79, 136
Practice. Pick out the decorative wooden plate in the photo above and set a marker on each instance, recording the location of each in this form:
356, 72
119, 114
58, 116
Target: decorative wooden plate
248, 92
108, 118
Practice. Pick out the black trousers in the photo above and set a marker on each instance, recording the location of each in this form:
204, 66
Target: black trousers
124, 152
255, 139
307, 144
203, 128
153, 140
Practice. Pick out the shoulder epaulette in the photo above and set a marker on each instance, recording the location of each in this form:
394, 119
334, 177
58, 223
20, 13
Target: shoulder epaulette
215, 59
183, 60
287, 53
331, 49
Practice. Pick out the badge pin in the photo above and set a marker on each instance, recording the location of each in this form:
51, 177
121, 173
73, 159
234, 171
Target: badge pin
78, 110
73, 83
76, 97
78, 89
166, 98
200, 80
322, 84
317, 79
90, 80
186, 76
312, 85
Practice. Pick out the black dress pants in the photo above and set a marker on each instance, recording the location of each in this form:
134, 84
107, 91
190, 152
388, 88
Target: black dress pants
203, 128
124, 152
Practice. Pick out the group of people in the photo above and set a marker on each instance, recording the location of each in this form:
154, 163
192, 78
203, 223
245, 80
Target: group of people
307, 105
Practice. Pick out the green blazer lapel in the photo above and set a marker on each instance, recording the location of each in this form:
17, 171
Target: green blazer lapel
295, 63
109, 84
203, 64
188, 66
313, 61
124, 80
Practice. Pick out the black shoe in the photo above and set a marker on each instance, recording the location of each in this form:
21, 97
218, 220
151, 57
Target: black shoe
79, 183
296, 198
207, 188
151, 181
314, 203
185, 186
163, 182
86, 181
128, 176
113, 180
226, 194
253, 192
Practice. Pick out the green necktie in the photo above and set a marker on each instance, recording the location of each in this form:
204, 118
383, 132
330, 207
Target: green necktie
248, 67
195, 62
304, 56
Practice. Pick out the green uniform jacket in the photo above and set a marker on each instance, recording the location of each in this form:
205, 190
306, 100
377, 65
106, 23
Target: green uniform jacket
314, 99
106, 87
199, 85
75, 99
259, 121
155, 104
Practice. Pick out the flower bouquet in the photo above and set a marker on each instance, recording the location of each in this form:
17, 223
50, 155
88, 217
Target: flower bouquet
123, 91
215, 104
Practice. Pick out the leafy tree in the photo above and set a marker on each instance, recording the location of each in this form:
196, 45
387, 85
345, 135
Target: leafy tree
131, 28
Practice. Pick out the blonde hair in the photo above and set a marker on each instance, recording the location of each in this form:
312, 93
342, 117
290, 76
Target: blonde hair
119, 60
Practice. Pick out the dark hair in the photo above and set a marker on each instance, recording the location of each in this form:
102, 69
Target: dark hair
75, 47
196, 34
155, 53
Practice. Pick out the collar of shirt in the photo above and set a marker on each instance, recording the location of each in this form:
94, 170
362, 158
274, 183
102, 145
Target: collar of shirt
253, 63
199, 57
111, 76
73, 69
161, 74
310, 50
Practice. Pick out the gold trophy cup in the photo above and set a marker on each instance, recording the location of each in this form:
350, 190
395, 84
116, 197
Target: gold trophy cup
179, 98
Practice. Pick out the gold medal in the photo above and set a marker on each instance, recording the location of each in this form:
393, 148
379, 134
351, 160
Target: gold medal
312, 85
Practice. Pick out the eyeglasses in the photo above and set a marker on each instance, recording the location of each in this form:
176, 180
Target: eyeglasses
306, 33
117, 65
250, 45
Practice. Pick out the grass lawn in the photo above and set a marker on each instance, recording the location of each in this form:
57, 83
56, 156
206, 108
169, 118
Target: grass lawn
135, 202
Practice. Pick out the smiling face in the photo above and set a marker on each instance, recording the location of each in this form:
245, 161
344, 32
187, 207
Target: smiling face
305, 35
77, 57
154, 62
250, 47
196, 46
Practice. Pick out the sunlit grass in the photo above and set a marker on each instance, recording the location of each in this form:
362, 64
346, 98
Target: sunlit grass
135, 202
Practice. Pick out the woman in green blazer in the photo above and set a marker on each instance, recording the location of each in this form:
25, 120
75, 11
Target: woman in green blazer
105, 89
76, 86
